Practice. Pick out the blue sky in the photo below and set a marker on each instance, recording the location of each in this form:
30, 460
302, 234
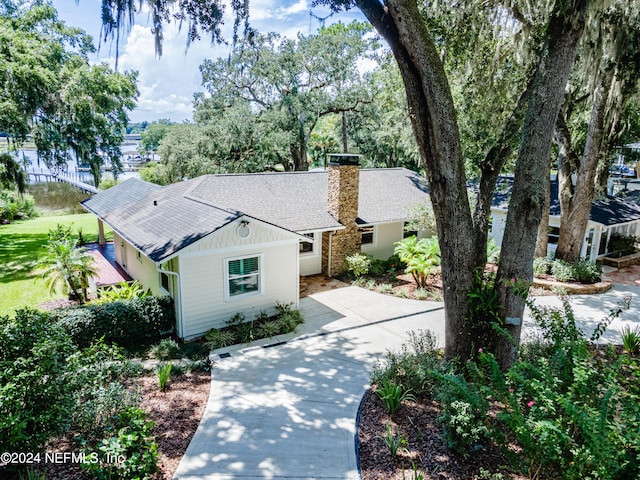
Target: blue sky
167, 84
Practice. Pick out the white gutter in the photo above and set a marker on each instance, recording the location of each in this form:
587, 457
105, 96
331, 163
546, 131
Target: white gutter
178, 300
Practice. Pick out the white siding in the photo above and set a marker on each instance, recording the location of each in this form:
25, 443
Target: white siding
311, 262
384, 237
138, 266
202, 273
498, 221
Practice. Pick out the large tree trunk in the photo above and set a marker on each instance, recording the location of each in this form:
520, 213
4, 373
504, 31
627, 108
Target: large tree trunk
527, 199
575, 202
435, 126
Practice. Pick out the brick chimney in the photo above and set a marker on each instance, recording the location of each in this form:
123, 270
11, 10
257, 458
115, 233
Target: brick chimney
342, 203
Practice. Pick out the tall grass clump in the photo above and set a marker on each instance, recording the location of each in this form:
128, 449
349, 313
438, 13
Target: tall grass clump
57, 198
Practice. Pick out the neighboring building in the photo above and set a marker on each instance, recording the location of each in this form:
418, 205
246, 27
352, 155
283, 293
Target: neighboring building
223, 244
613, 215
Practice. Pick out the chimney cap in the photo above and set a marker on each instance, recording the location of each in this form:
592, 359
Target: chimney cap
344, 158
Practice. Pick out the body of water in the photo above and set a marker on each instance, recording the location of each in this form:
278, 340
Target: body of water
73, 170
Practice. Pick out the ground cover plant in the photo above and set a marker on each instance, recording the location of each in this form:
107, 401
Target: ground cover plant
239, 330
566, 409
21, 246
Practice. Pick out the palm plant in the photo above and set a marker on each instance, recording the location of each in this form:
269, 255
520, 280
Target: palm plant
421, 257
68, 266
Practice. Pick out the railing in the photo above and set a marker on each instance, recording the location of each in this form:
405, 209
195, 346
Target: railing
48, 177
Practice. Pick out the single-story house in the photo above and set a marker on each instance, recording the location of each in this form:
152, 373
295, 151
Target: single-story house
611, 215
223, 244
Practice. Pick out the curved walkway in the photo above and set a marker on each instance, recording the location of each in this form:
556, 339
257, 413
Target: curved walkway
287, 408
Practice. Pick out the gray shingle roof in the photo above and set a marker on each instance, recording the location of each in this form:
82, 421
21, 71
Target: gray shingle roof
608, 211
118, 196
296, 201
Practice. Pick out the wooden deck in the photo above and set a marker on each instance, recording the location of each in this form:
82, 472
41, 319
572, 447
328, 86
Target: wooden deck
109, 272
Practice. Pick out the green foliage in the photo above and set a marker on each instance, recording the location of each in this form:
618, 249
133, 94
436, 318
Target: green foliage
464, 408
358, 264
220, 338
541, 266
163, 373
57, 197
420, 256
129, 445
35, 399
572, 413
12, 176
393, 442
15, 206
485, 311
493, 251
413, 366
392, 395
165, 349
122, 291
420, 218
620, 245
265, 100
561, 270
268, 329
125, 322
582, 271
238, 330
68, 265
107, 182
631, 339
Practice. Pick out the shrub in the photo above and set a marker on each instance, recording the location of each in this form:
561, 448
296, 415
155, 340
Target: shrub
413, 366
561, 270
420, 256
125, 322
95, 409
571, 413
385, 288
464, 408
35, 396
219, 338
14, 206
122, 291
541, 266
289, 321
130, 447
268, 329
585, 271
358, 264
165, 349
621, 245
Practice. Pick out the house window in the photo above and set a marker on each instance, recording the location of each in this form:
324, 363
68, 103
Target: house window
367, 235
164, 281
243, 276
307, 247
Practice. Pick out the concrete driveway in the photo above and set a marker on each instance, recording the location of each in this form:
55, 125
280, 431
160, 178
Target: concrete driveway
287, 407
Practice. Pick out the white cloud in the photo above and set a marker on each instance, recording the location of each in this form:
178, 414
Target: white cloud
167, 84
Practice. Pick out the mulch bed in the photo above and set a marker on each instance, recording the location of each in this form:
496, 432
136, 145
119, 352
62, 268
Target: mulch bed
426, 447
176, 412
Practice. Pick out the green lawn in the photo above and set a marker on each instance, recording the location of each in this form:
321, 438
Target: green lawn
21, 245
